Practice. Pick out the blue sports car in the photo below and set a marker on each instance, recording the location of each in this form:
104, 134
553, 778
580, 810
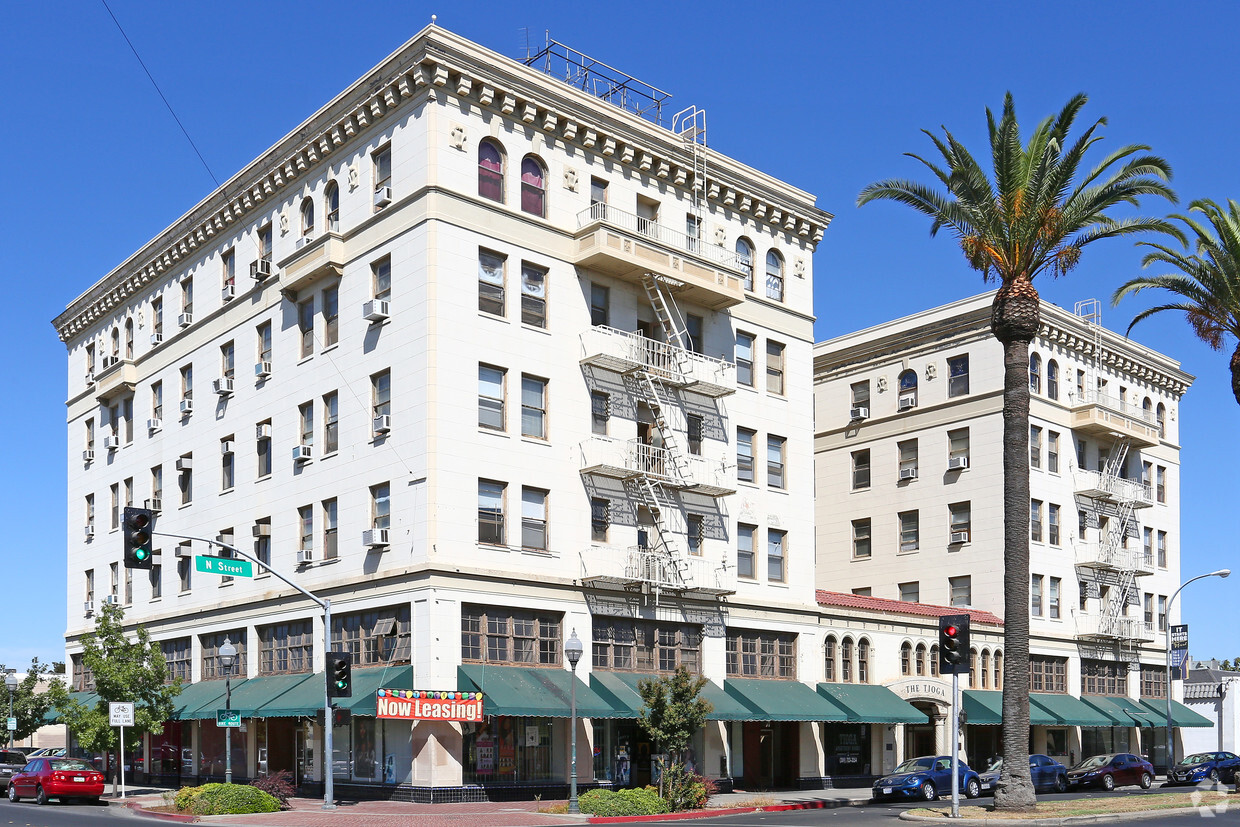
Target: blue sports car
925, 778
1046, 772
1204, 766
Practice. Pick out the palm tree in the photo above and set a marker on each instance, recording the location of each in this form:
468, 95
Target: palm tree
1031, 216
1208, 282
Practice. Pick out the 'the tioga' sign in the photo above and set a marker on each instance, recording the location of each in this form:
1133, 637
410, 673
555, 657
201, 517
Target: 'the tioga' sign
419, 705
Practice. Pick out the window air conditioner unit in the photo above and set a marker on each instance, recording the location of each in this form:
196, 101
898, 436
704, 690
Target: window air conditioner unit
382, 424
185, 464
960, 537
185, 319
157, 339
90, 608
90, 531
908, 473
263, 431
262, 370
305, 555
907, 402
88, 455
859, 412
154, 424
375, 537
301, 453
111, 600
187, 406
111, 442
957, 463
155, 504
183, 550
375, 310
262, 529
90, 377
383, 196
260, 269
226, 446
229, 292
223, 386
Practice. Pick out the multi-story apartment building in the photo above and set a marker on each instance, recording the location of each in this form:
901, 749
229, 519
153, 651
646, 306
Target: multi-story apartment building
490, 363
909, 476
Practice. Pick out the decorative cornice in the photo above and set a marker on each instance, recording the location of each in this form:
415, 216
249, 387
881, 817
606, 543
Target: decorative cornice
434, 63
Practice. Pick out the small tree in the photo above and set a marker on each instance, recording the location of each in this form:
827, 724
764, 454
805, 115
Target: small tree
673, 711
29, 705
123, 670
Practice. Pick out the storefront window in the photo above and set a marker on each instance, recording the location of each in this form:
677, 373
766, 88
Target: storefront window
847, 748
505, 749
211, 752
170, 750
371, 751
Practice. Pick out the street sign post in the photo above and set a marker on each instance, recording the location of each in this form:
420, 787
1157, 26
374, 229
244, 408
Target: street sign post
223, 565
228, 717
120, 714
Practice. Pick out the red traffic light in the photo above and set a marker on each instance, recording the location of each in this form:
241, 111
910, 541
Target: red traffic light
951, 631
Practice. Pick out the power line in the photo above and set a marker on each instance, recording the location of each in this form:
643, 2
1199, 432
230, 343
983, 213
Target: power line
160, 91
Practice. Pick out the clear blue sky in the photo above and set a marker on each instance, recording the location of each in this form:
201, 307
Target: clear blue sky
823, 95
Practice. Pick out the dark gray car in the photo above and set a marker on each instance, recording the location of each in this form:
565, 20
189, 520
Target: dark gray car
11, 762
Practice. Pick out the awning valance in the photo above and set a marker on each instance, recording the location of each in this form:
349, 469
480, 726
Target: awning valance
782, 700
870, 704
541, 693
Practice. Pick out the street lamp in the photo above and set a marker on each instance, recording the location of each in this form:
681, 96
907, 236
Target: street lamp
573, 650
228, 656
1170, 741
10, 681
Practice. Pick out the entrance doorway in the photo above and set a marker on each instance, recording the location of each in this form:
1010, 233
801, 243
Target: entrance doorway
919, 739
772, 754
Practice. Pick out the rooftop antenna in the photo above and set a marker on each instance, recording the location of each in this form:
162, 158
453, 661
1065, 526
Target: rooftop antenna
525, 33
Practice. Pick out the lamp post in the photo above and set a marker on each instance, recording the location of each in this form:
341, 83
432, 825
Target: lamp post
1170, 742
572, 650
10, 681
228, 656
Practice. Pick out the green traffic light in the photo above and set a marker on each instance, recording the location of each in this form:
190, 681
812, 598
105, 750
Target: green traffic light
140, 554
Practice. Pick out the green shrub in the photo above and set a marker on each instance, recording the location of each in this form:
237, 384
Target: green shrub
185, 796
643, 802
225, 799
684, 789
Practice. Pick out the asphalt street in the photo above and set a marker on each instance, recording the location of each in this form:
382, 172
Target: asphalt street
56, 814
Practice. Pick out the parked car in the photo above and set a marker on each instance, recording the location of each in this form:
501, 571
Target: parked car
1111, 771
1204, 766
64, 778
1046, 772
11, 761
926, 778
23, 750
46, 752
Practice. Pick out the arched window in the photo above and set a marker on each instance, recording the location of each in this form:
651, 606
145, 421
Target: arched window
533, 187
129, 338
830, 658
116, 343
491, 170
934, 660
744, 255
985, 669
1052, 379
774, 276
972, 668
331, 203
1147, 409
908, 389
1160, 415
921, 659
998, 669
1035, 373
906, 658
863, 661
307, 218
846, 652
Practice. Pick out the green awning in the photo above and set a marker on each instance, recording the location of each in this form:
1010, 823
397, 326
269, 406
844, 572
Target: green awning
247, 695
620, 690
1068, 710
199, 695
1180, 714
869, 704
300, 698
782, 700
1121, 710
985, 707
540, 693
52, 716
368, 681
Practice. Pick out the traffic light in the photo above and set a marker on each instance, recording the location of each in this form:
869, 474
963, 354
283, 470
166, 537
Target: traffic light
954, 644
339, 675
139, 529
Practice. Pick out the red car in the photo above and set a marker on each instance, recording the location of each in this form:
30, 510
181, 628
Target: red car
65, 778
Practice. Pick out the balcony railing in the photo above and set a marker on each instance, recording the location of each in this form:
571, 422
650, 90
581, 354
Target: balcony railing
624, 351
650, 228
1114, 628
1112, 557
1099, 486
638, 567
1115, 404
626, 459
1094, 412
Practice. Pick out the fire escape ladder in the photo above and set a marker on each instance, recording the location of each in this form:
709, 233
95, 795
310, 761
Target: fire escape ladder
665, 309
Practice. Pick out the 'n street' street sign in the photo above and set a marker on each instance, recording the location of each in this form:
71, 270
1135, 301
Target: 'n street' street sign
223, 565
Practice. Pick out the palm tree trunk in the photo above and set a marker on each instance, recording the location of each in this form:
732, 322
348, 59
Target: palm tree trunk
1235, 373
1015, 320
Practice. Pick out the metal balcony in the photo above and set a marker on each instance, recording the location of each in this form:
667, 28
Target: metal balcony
625, 352
627, 246
1101, 415
1114, 629
626, 459
641, 569
1111, 557
1099, 486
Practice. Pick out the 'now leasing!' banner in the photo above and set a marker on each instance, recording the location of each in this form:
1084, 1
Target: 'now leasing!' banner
419, 705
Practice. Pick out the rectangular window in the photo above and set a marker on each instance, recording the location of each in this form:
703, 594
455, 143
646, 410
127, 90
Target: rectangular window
330, 530
211, 665
961, 590
909, 529
754, 654
187, 296
263, 448
264, 342
90, 432
157, 329
491, 512
1103, 677
1035, 446
264, 243
1048, 674
381, 506
600, 305
775, 461
600, 412
381, 393
178, 658
127, 409
286, 648
533, 407
382, 160
600, 519
305, 520
958, 444
187, 382
1035, 595
185, 480
156, 578
157, 403
1153, 681
1161, 489
381, 279
1148, 546
646, 646
185, 568
693, 430
907, 451
1052, 597
860, 469
1162, 612
859, 393
228, 463
533, 295
776, 550
262, 543
376, 637
694, 335
1035, 521
491, 397
744, 550
958, 375
910, 592
1162, 549
774, 367
744, 359
1148, 605
598, 199
961, 515
861, 538
490, 283
695, 532
534, 518
305, 414
1052, 525
494, 634
305, 324
331, 423
331, 316
744, 455
90, 512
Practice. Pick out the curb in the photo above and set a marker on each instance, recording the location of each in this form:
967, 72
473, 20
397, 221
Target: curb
1061, 821
731, 811
137, 808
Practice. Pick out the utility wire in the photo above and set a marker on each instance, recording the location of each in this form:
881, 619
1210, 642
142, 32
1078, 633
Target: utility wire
161, 93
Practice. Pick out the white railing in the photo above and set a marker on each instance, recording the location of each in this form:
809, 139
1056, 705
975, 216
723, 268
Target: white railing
1112, 556
637, 564
650, 228
1119, 406
635, 457
669, 361
1117, 487
1122, 628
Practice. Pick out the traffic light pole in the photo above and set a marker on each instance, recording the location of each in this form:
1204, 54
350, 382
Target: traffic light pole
955, 745
329, 792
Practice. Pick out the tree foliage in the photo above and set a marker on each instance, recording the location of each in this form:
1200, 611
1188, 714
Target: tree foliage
673, 710
124, 667
29, 705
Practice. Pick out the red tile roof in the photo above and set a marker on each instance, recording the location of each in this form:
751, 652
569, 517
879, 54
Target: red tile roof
880, 604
